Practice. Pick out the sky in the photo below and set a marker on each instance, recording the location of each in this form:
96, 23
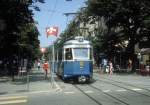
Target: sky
52, 14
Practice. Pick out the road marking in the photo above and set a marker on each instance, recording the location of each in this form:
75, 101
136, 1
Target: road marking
121, 90
36, 92
136, 89
12, 99
88, 91
106, 91
72, 92
13, 102
58, 88
29, 92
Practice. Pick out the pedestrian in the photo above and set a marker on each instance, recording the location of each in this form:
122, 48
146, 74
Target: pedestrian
45, 67
110, 68
100, 69
105, 65
13, 68
29, 66
39, 64
107, 69
129, 65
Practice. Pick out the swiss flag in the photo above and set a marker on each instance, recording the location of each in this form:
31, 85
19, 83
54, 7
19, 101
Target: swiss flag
52, 31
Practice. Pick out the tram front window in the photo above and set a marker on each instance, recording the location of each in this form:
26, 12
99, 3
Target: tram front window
81, 53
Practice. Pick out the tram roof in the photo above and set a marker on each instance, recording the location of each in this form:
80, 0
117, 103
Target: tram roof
79, 41
76, 42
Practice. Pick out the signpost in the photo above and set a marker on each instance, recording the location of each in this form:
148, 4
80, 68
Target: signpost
52, 31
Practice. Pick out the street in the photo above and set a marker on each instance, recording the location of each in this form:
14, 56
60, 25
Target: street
102, 44
117, 89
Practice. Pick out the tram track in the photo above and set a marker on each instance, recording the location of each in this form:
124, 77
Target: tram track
86, 94
100, 90
108, 82
109, 95
127, 84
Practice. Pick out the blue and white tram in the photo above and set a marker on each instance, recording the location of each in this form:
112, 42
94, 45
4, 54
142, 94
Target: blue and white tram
76, 60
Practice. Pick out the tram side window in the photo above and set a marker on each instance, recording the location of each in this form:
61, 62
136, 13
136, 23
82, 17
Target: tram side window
59, 55
91, 53
68, 54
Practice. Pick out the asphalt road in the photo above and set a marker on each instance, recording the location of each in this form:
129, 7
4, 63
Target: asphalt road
104, 90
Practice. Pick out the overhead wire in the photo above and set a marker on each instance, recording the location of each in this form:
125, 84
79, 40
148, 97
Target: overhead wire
52, 11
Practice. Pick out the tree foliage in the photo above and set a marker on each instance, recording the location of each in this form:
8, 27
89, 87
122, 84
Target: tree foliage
18, 31
130, 17
70, 32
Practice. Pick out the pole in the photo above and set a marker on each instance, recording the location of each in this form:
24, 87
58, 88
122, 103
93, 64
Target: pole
50, 66
28, 69
120, 60
27, 80
53, 67
43, 57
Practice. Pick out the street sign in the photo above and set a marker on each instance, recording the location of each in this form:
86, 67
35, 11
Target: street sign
52, 31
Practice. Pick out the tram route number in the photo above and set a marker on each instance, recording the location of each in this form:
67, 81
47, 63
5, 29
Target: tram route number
81, 64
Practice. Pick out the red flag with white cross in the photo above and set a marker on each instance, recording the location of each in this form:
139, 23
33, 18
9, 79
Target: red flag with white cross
52, 31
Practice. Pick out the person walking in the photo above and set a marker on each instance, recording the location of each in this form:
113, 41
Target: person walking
129, 65
110, 68
105, 65
45, 67
39, 64
13, 68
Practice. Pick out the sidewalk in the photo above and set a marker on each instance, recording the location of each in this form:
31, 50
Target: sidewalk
35, 83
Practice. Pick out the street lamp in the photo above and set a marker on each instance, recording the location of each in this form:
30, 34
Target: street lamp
43, 51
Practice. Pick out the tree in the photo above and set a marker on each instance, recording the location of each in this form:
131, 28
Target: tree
70, 32
128, 15
73, 28
19, 35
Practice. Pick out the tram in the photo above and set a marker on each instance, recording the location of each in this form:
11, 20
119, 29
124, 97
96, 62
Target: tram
76, 60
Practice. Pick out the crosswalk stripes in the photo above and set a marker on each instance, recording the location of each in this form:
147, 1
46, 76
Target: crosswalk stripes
4, 100
106, 91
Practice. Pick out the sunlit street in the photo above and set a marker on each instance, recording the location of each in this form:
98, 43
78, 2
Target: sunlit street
74, 52
104, 90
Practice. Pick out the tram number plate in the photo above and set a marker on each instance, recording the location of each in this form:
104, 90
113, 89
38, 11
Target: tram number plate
81, 45
81, 63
